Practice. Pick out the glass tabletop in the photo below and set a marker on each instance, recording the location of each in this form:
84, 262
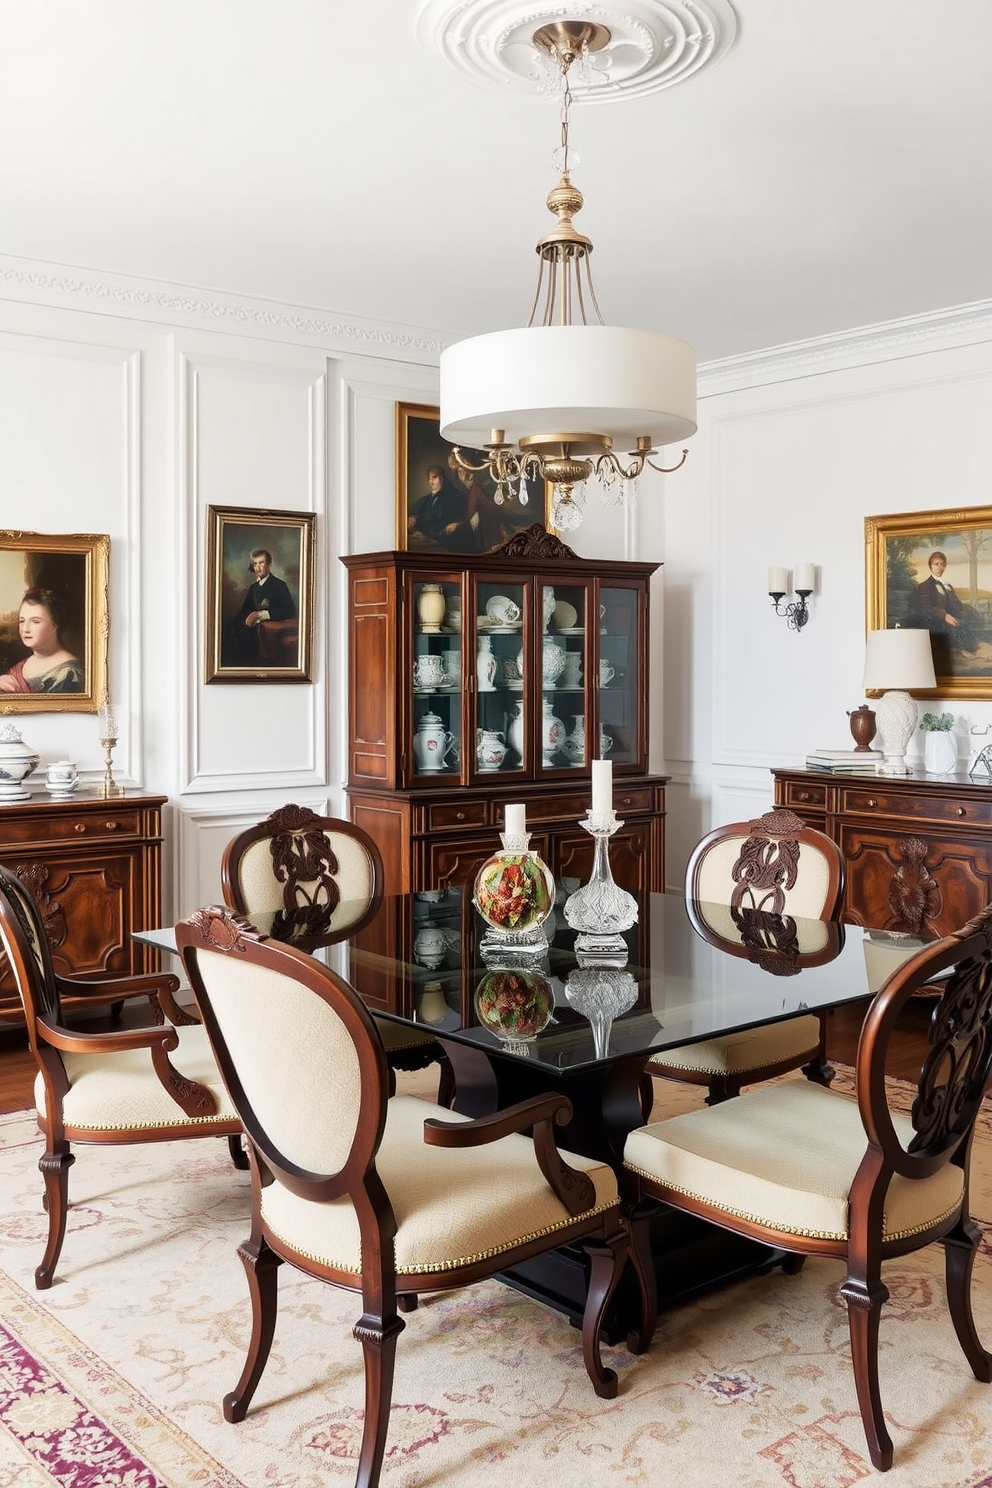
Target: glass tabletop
693, 971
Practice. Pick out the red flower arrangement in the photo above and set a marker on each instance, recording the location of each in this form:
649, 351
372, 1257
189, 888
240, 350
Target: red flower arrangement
512, 891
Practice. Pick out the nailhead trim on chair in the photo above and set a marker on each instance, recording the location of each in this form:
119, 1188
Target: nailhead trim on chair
452, 1265
792, 1229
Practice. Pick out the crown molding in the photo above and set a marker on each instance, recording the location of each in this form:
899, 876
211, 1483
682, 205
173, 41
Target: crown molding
915, 335
99, 292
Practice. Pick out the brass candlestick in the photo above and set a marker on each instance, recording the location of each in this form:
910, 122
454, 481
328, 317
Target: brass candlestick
108, 738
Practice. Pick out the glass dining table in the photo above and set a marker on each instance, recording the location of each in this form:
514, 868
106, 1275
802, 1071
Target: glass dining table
516, 1021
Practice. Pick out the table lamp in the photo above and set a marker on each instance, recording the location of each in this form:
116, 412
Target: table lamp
894, 660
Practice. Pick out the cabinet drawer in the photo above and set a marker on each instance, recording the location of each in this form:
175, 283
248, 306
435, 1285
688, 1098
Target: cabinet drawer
798, 793
70, 827
864, 801
457, 814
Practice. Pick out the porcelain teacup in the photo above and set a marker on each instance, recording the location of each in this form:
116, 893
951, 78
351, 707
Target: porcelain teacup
502, 610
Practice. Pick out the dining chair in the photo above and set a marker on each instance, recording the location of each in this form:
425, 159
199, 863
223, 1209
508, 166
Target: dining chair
740, 875
380, 1196
318, 880
813, 1172
122, 1085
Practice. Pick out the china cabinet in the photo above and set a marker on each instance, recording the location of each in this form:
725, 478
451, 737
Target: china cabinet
93, 868
474, 681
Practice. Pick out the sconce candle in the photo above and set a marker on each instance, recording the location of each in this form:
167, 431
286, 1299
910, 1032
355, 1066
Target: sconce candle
778, 581
805, 578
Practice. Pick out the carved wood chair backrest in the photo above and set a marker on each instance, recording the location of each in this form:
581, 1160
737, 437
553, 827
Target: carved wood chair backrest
775, 864
955, 1074
25, 942
308, 876
312, 1093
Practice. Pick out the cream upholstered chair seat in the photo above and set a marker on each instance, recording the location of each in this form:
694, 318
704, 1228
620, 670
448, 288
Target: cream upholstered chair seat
121, 1091
451, 1208
787, 1161
117, 1085
746, 884
813, 1172
385, 1197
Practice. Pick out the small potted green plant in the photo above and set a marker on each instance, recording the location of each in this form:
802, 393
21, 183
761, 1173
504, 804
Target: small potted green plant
940, 751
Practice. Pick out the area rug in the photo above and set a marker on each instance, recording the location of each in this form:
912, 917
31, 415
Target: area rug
114, 1377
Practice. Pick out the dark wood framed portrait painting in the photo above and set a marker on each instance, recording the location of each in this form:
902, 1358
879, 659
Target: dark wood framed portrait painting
933, 571
53, 622
260, 588
442, 507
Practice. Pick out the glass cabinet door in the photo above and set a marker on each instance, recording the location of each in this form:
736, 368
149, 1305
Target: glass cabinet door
619, 682
435, 680
501, 722
564, 676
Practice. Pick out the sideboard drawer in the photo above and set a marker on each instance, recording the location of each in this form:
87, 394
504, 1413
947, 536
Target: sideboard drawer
798, 793
71, 826
865, 801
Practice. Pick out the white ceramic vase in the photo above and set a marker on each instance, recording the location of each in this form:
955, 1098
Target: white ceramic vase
940, 752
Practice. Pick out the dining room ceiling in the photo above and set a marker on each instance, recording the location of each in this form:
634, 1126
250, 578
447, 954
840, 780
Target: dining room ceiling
829, 171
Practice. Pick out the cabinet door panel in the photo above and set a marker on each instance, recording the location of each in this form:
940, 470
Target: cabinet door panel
914, 882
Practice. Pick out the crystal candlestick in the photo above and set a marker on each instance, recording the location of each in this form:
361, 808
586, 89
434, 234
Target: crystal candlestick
601, 910
108, 738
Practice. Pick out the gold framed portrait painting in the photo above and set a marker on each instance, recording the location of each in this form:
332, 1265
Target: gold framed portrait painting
260, 595
54, 622
443, 508
933, 571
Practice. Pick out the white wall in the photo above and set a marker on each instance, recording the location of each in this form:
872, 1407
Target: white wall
794, 450
133, 422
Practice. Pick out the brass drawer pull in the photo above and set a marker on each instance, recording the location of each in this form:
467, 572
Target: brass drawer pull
804, 795
79, 827
459, 816
111, 826
872, 801
960, 811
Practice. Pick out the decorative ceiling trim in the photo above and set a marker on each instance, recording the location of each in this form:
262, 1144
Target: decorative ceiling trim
653, 43
915, 335
52, 284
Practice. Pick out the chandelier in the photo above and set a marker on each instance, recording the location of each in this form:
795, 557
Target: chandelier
549, 401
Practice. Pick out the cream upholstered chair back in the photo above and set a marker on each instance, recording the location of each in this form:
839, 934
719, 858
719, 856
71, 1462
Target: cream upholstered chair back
303, 875
775, 864
299, 1053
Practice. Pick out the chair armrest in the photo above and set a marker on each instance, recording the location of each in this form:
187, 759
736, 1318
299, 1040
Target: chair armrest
157, 986
192, 1098
539, 1115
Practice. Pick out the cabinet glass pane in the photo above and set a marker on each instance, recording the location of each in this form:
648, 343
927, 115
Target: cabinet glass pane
435, 679
563, 741
500, 724
619, 682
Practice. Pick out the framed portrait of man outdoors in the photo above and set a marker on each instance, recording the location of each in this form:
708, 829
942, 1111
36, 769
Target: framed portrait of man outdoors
443, 507
53, 622
933, 571
260, 592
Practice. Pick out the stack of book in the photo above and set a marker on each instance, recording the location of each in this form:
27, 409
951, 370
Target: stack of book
844, 761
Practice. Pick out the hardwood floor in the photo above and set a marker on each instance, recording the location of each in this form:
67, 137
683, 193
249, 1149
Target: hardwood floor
17, 1066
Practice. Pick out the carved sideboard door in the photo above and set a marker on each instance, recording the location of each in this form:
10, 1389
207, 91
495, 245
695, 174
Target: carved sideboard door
93, 867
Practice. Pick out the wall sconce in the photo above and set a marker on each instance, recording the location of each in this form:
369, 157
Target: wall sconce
778, 587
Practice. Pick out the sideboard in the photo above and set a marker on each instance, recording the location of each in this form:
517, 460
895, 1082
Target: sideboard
93, 867
917, 848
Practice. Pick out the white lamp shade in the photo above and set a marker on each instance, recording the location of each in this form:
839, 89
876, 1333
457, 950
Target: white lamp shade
569, 379
898, 659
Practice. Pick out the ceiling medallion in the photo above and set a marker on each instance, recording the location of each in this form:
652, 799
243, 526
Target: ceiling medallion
653, 43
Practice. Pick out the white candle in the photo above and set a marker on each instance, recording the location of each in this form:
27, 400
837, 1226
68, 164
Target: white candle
602, 787
515, 820
805, 577
778, 581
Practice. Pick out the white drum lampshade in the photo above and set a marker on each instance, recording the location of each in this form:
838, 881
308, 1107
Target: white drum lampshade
894, 661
